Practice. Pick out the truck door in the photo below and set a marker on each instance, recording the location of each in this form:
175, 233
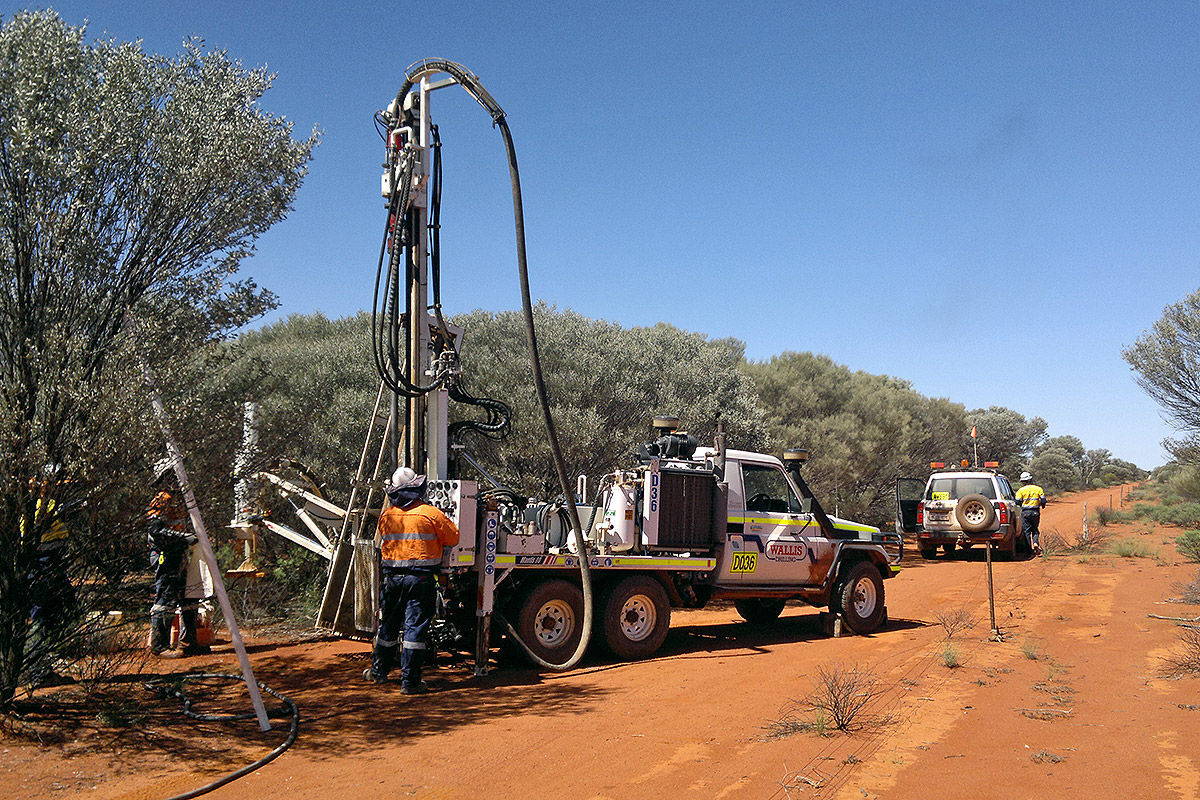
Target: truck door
908, 497
780, 541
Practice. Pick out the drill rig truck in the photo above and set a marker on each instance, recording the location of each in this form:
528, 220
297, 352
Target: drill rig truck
677, 527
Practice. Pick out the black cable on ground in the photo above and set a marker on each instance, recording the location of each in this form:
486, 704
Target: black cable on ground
293, 731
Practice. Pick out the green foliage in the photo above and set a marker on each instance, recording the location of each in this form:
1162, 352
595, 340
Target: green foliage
1188, 544
1185, 482
605, 383
1131, 548
1105, 516
1166, 361
1053, 470
861, 429
1185, 515
315, 383
132, 186
1004, 435
949, 656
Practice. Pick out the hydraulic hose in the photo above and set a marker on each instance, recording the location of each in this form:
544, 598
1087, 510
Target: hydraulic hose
293, 730
471, 84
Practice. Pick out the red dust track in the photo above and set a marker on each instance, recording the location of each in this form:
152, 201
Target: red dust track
1070, 704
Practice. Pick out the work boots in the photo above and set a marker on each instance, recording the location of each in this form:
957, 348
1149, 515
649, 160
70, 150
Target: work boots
160, 633
381, 664
188, 623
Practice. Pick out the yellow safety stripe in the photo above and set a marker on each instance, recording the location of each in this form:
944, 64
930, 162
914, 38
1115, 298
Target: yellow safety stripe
797, 523
802, 523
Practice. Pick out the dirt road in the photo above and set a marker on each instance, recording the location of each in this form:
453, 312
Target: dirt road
1068, 705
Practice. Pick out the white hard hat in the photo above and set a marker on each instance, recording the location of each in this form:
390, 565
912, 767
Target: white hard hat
405, 478
1026, 477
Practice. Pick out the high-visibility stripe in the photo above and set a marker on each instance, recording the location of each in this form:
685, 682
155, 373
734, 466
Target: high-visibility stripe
397, 537
413, 645
411, 562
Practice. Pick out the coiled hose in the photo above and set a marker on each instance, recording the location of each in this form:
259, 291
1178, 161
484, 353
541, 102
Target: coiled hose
471, 83
159, 685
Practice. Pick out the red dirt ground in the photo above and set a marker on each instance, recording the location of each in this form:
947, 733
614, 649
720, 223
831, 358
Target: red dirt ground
1070, 704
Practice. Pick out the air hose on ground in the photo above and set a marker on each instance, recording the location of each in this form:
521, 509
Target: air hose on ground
471, 83
160, 685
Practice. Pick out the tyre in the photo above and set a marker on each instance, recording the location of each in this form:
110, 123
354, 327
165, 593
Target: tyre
760, 610
636, 618
927, 552
860, 597
975, 513
550, 620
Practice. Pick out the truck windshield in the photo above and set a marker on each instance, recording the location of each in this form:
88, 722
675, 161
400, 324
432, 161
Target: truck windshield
955, 488
768, 490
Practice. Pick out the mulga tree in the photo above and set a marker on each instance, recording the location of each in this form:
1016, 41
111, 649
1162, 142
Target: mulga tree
1166, 364
863, 431
131, 187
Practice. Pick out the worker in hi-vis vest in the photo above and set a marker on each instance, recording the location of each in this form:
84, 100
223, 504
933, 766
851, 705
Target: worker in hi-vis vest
412, 535
1032, 500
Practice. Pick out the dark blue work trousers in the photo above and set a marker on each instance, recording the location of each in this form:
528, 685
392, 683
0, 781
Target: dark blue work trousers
1030, 518
407, 599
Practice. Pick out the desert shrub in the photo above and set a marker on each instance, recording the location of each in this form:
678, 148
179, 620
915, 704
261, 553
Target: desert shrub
1143, 511
1131, 548
956, 621
1189, 592
1054, 542
840, 700
1186, 483
1188, 544
1107, 516
949, 656
1185, 515
1187, 661
1030, 649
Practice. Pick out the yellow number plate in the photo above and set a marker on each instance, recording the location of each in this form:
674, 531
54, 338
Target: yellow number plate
939, 496
744, 562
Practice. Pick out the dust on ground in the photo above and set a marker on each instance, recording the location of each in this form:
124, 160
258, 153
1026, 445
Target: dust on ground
1068, 702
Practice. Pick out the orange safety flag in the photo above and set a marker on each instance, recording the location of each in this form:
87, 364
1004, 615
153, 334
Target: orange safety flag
974, 433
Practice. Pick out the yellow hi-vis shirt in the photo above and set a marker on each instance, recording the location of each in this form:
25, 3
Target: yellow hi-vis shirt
56, 531
1031, 496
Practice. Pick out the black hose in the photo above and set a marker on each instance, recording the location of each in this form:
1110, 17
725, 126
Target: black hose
293, 730
473, 87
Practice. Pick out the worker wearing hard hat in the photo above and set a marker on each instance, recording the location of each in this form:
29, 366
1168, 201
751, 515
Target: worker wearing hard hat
411, 534
1032, 500
180, 578
51, 592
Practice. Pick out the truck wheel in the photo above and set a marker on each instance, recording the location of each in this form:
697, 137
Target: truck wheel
927, 552
860, 597
550, 620
637, 616
760, 610
975, 514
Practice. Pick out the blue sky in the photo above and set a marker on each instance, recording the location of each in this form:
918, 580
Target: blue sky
988, 200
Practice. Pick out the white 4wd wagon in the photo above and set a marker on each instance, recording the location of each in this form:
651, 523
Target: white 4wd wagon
960, 508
